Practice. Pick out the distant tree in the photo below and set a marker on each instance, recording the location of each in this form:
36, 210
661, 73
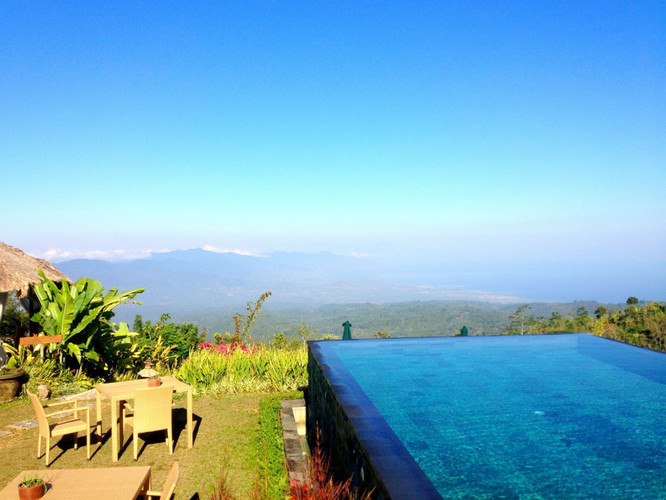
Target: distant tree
305, 332
582, 320
329, 336
138, 323
519, 321
464, 332
382, 334
632, 301
279, 341
600, 312
581, 312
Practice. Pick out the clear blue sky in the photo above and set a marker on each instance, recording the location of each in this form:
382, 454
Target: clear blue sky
480, 137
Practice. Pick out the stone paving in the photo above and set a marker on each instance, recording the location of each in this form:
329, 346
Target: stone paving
295, 446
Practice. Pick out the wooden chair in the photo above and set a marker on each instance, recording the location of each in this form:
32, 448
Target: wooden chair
151, 412
169, 485
69, 426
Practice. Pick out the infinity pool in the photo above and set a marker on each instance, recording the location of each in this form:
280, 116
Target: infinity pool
539, 416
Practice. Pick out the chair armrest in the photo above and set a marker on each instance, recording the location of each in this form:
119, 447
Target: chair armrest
60, 403
72, 410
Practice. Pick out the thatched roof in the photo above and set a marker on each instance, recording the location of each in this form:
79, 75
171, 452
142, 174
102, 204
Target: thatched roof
18, 270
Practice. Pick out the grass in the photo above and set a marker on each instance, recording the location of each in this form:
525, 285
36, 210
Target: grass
269, 447
225, 444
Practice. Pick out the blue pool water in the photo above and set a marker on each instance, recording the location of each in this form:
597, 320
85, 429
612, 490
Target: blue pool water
543, 416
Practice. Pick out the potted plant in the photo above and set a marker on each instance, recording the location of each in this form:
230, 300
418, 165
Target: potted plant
31, 488
11, 379
151, 374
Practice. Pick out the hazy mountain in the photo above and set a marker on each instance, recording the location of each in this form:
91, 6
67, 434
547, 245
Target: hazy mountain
186, 280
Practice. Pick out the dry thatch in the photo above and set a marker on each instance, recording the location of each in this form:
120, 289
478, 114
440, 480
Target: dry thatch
18, 270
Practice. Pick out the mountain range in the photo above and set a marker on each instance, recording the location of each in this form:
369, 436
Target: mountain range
186, 280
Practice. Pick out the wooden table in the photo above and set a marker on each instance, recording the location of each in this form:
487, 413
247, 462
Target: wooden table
113, 483
123, 391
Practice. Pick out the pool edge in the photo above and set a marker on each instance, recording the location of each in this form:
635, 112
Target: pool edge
359, 442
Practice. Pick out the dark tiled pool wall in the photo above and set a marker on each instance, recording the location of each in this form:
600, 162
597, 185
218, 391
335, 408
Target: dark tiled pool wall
336, 435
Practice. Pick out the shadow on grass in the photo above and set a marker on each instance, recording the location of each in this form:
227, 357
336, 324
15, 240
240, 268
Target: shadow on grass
179, 422
66, 443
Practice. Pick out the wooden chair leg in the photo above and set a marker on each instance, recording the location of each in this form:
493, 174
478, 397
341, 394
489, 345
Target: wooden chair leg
39, 445
76, 440
88, 443
48, 449
169, 441
135, 439
121, 427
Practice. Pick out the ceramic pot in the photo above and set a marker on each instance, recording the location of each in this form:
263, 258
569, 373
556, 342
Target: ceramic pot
31, 493
10, 385
154, 382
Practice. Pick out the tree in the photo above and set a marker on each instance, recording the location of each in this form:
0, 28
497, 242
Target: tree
243, 323
15, 321
82, 314
382, 334
464, 332
519, 320
181, 337
280, 341
138, 323
632, 301
600, 311
305, 332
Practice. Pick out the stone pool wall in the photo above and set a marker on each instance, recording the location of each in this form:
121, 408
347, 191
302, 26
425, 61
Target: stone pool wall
325, 416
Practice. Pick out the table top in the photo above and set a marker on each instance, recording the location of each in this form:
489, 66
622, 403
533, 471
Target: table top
125, 390
112, 483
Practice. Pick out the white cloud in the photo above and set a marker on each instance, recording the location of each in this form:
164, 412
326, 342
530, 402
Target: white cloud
358, 255
211, 248
59, 255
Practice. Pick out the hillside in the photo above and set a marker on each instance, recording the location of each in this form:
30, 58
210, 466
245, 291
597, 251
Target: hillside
187, 280
432, 318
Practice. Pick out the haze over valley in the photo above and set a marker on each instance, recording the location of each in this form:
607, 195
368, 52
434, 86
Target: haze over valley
324, 289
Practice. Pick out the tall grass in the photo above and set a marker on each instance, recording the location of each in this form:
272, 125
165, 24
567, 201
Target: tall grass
266, 370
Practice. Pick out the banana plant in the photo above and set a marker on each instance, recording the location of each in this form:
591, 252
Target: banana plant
82, 314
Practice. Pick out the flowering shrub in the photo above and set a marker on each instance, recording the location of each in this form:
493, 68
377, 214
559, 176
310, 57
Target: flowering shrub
234, 368
227, 349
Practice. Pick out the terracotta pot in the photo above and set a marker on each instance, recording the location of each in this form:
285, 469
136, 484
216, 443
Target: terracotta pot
154, 382
10, 385
31, 493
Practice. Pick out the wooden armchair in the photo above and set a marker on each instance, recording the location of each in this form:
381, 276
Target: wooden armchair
69, 426
169, 485
151, 412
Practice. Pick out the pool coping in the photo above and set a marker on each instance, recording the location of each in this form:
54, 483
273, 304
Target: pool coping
392, 464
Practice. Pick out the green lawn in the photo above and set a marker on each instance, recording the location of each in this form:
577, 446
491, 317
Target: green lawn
225, 427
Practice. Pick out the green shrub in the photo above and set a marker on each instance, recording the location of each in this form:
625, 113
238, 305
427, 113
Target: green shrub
180, 338
47, 371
